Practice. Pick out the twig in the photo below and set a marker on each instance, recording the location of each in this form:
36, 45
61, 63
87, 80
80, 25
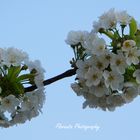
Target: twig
67, 73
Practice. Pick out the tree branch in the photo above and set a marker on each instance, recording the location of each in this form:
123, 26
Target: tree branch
67, 73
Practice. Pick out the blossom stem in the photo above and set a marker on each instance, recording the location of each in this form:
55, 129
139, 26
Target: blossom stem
67, 73
107, 33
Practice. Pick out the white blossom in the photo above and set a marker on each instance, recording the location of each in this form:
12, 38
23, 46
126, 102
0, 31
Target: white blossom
127, 45
118, 62
115, 100
19, 118
98, 46
96, 26
106, 57
33, 113
93, 77
13, 56
99, 90
33, 100
23, 107
83, 67
100, 62
40, 72
79, 89
94, 45
132, 56
130, 93
123, 18
108, 19
137, 75
106, 76
9, 103
75, 37
40, 98
113, 79
27, 104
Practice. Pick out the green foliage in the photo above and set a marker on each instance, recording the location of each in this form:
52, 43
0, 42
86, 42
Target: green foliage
12, 81
133, 28
128, 76
137, 38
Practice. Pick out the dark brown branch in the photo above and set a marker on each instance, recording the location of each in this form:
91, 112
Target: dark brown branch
67, 73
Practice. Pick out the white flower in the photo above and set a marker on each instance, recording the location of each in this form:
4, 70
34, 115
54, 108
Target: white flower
31, 114
13, 56
4, 121
14, 109
137, 75
79, 89
106, 57
21, 117
35, 65
113, 79
39, 80
40, 98
101, 74
96, 26
40, 72
76, 88
33, 100
130, 93
99, 90
118, 63
132, 56
123, 18
102, 103
98, 46
75, 37
99, 62
94, 45
108, 19
115, 100
27, 104
127, 45
83, 67
91, 101
9, 103
93, 77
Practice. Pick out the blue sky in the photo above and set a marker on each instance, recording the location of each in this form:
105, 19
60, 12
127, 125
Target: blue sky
40, 27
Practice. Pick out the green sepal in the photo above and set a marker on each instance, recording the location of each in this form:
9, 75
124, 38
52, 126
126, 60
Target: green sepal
132, 28
13, 72
25, 77
128, 76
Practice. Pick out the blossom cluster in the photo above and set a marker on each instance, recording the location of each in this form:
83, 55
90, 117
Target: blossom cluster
108, 70
17, 72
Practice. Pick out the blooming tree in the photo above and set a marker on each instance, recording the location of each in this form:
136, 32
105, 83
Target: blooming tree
106, 63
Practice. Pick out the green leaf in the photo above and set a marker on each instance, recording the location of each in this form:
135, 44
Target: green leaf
133, 27
25, 77
13, 72
137, 38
